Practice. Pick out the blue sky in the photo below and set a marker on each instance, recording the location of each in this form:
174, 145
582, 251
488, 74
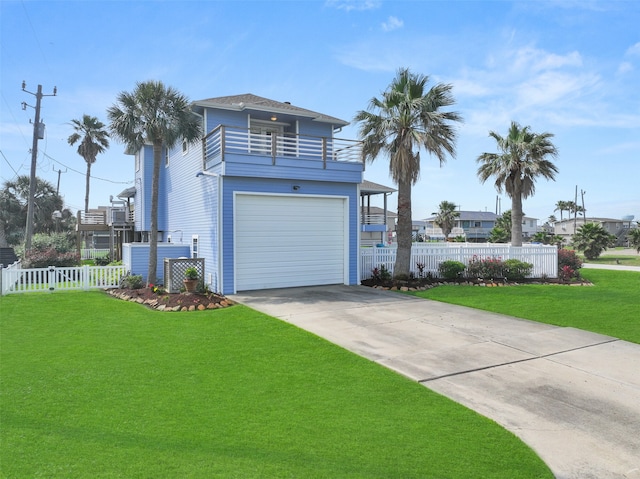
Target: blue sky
571, 68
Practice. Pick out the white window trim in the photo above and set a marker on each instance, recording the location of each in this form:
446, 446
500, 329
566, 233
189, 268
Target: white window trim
195, 240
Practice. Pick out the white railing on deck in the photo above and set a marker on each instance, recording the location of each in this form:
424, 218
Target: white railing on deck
226, 139
373, 219
543, 257
56, 278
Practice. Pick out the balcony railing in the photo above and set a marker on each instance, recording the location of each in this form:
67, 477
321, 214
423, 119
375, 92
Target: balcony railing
373, 220
226, 140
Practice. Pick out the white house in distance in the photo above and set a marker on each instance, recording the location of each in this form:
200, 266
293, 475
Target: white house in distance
475, 227
269, 198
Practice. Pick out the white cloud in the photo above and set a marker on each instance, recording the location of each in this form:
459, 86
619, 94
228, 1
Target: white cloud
393, 23
633, 50
357, 5
625, 67
535, 60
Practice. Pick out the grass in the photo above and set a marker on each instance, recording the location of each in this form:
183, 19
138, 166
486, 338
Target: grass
609, 307
97, 387
612, 258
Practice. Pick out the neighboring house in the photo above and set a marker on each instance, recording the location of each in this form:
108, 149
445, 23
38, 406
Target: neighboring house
106, 227
618, 228
378, 224
269, 198
476, 226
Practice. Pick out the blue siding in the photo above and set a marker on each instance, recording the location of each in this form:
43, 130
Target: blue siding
143, 184
136, 258
203, 206
192, 208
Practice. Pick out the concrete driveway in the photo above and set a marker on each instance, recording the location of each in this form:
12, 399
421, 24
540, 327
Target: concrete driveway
573, 396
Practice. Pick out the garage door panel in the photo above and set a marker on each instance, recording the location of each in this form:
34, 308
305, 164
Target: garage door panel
284, 241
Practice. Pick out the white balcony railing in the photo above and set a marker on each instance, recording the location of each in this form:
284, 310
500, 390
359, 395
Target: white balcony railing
225, 140
373, 220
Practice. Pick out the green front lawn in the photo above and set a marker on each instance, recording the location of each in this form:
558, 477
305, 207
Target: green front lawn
608, 307
92, 386
613, 258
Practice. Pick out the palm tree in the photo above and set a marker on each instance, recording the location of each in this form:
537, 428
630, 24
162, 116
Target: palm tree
521, 158
93, 138
561, 206
161, 116
446, 217
633, 236
592, 239
406, 118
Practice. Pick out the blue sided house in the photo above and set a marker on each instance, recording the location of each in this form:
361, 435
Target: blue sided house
268, 199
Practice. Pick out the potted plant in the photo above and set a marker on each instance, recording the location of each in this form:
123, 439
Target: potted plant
191, 279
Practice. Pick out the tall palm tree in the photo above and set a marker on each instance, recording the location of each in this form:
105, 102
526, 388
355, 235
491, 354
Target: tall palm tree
405, 119
93, 139
522, 157
446, 217
561, 206
161, 116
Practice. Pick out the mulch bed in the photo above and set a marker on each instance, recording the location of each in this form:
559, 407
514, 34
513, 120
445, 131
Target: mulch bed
163, 301
424, 284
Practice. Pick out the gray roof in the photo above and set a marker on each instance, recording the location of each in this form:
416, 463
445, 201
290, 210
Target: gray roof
369, 187
249, 101
376, 210
592, 219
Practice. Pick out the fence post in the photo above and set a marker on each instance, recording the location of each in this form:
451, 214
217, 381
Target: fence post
85, 277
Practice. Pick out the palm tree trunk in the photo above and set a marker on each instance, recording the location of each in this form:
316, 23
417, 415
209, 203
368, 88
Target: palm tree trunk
86, 191
153, 229
516, 218
403, 254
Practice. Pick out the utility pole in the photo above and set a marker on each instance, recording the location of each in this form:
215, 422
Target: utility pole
59, 173
38, 133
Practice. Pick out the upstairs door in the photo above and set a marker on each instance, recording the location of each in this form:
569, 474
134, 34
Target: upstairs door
261, 135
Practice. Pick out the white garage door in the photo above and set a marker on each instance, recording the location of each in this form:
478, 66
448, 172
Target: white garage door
284, 241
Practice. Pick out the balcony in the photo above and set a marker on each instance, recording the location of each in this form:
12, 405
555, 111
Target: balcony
241, 145
373, 223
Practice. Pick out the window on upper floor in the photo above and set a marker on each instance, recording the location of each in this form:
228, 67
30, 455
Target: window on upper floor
166, 157
185, 146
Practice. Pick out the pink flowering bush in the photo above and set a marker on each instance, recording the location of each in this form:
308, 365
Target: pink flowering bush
485, 268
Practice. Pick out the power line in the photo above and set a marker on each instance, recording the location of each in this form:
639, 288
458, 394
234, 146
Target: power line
84, 174
10, 166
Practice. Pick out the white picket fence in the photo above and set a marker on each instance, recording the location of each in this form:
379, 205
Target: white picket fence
93, 253
14, 279
543, 257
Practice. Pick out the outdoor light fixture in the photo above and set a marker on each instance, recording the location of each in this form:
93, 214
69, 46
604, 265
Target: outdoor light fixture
274, 118
205, 173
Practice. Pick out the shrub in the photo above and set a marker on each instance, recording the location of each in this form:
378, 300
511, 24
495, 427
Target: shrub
60, 242
131, 281
485, 268
191, 273
50, 257
566, 273
568, 257
450, 269
103, 260
381, 274
516, 270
